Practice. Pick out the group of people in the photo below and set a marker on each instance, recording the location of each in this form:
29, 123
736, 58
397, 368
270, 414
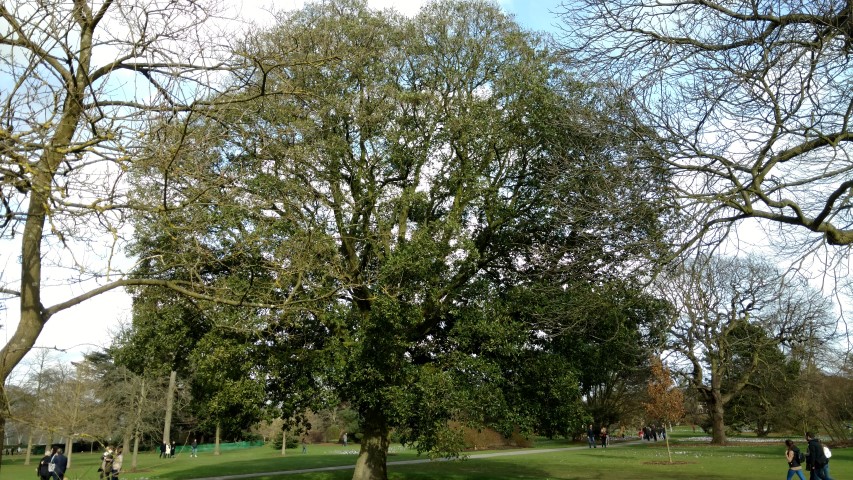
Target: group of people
111, 462
602, 436
52, 465
816, 459
167, 450
652, 432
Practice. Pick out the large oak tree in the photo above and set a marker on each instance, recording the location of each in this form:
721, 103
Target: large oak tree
430, 170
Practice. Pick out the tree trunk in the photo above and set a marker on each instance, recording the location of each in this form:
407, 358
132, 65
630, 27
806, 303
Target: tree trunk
136, 422
31, 320
372, 461
718, 426
135, 451
170, 398
216, 443
29, 447
125, 444
761, 429
283, 442
69, 443
3, 416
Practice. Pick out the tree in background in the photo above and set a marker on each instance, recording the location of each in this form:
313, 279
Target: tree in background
23, 406
765, 403
823, 401
608, 332
665, 401
228, 391
29, 408
748, 104
130, 404
75, 399
158, 345
731, 315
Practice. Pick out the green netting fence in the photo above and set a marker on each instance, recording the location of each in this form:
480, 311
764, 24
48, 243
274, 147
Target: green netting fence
209, 447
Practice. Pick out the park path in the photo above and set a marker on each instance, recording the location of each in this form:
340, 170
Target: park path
532, 451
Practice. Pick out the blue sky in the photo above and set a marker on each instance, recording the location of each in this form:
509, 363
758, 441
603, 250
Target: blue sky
534, 14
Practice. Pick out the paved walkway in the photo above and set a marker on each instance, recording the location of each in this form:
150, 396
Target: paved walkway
531, 451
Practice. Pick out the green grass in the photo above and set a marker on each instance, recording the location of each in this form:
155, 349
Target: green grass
641, 462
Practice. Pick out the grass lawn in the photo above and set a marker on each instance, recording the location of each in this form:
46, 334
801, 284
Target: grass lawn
638, 461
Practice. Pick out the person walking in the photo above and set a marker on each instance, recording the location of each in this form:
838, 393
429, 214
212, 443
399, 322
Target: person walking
590, 436
815, 459
792, 455
106, 464
194, 452
60, 464
117, 462
43, 470
826, 453
603, 436
304, 445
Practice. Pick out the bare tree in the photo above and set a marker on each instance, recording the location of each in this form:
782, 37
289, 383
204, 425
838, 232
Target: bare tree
732, 314
749, 103
129, 407
82, 80
38, 379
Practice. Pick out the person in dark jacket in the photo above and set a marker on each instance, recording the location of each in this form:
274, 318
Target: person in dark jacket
590, 436
815, 459
60, 464
43, 472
